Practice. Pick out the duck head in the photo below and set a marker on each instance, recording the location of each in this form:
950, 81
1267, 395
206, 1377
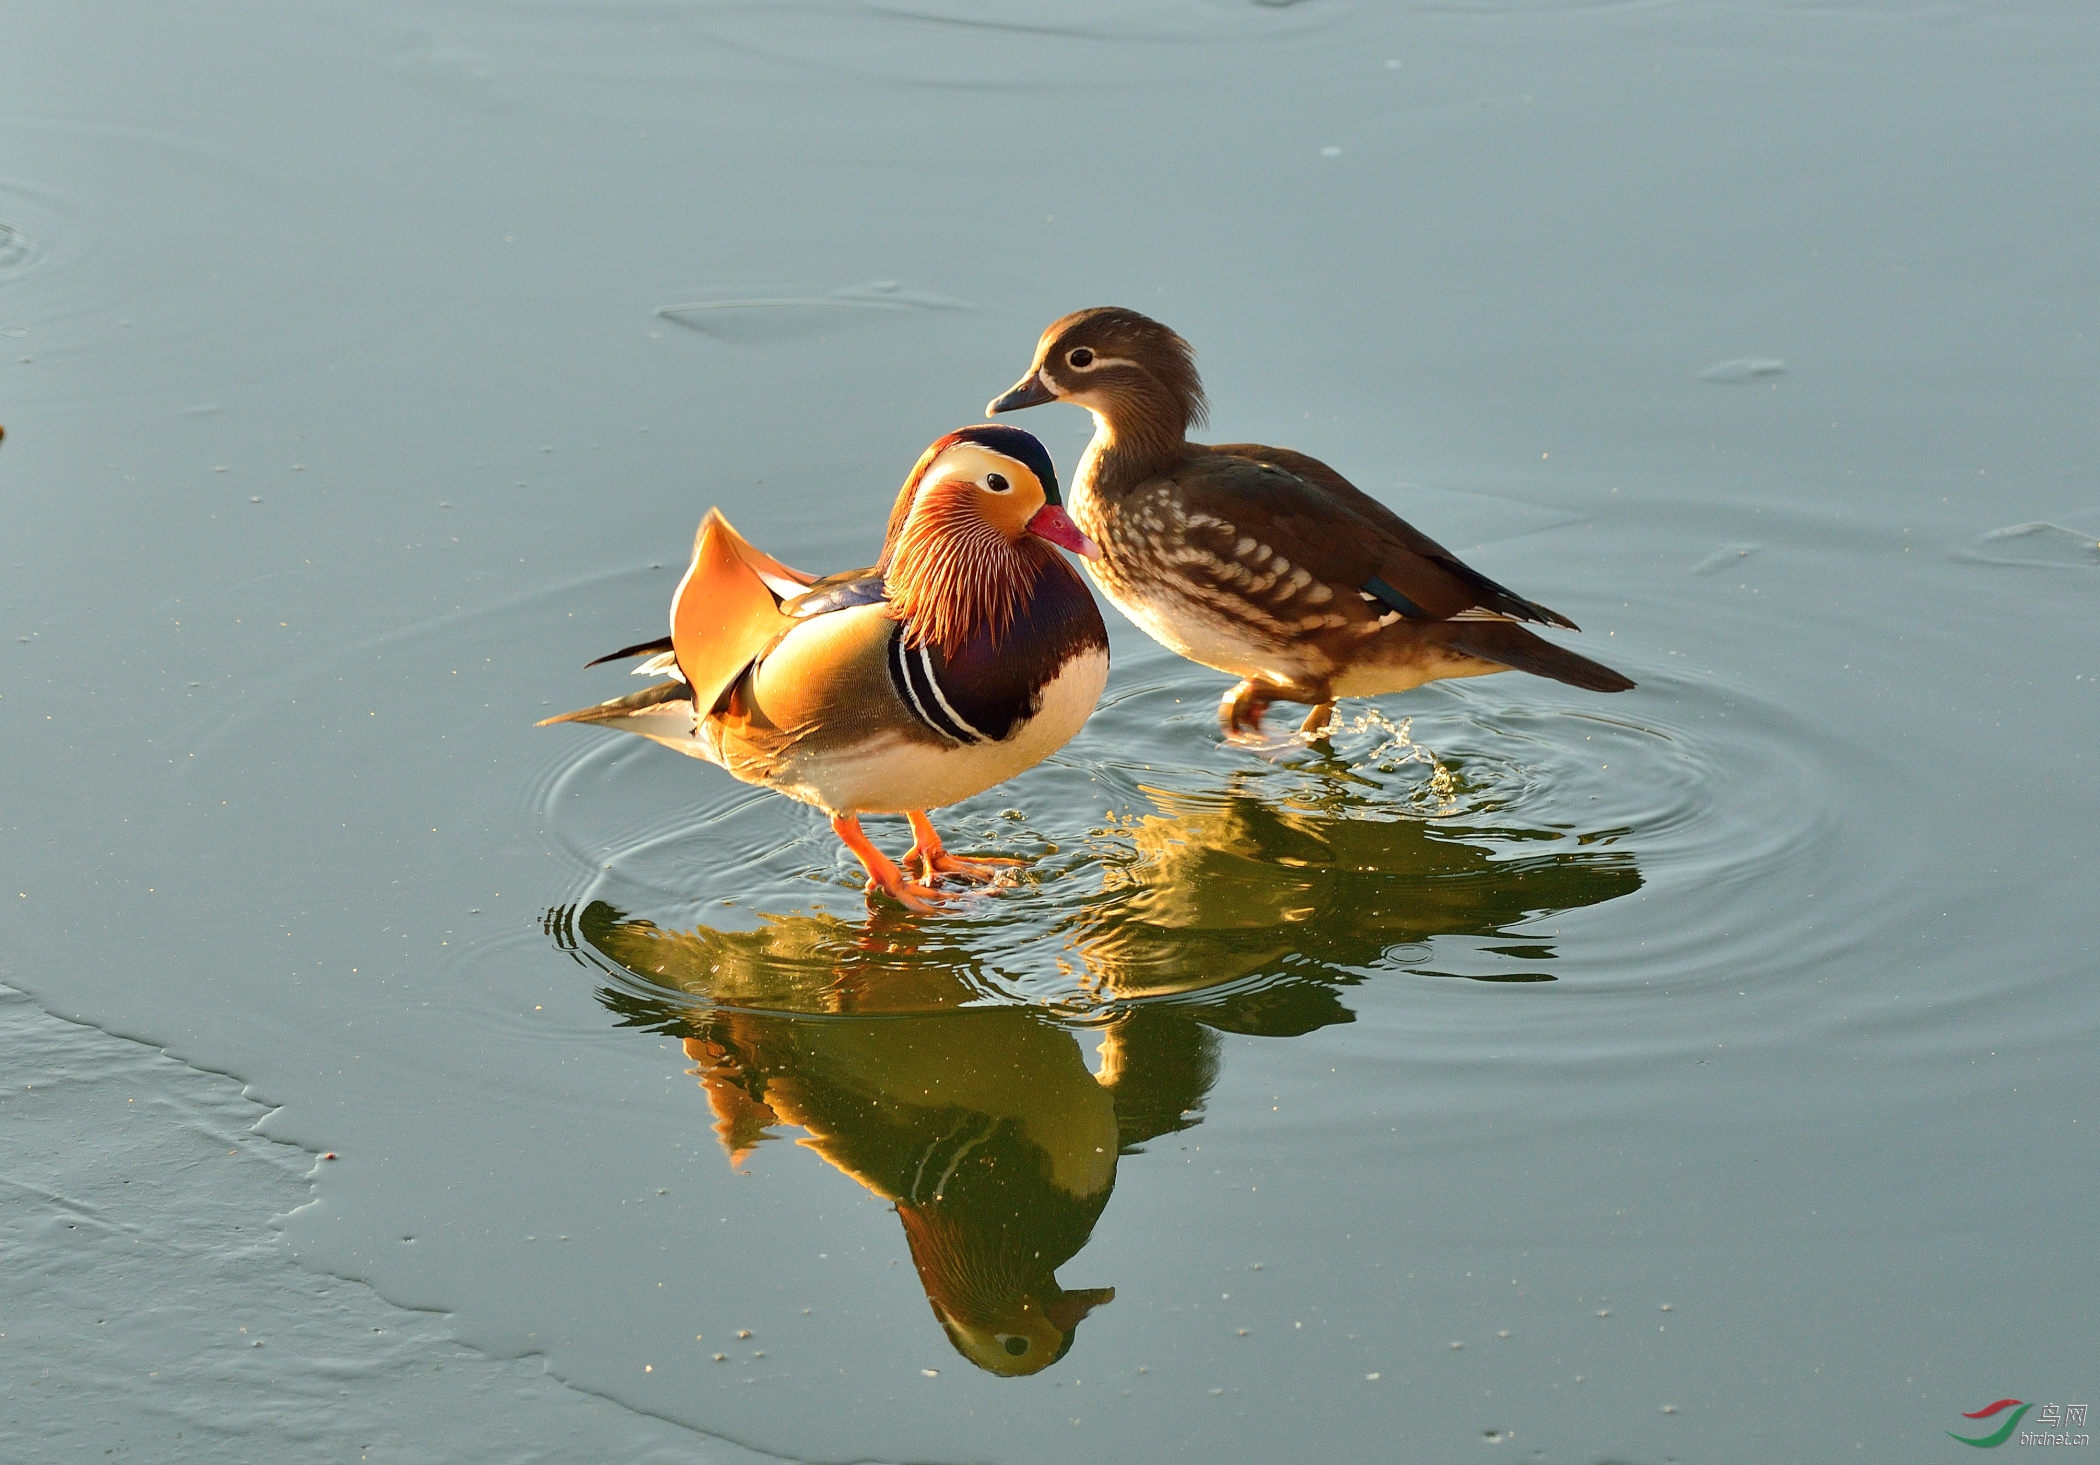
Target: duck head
1013, 474
993, 1292
1127, 369
967, 535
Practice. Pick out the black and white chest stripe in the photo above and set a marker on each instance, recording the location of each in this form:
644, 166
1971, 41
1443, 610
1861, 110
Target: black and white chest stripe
917, 679
939, 1160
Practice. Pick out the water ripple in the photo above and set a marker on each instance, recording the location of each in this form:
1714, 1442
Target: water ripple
1466, 840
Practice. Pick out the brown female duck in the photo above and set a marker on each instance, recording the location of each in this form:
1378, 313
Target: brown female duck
1260, 561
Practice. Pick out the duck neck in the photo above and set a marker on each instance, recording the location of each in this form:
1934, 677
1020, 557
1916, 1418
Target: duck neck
954, 578
1133, 441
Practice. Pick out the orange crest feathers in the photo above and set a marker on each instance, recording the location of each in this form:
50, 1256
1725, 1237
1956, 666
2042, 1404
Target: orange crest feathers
951, 574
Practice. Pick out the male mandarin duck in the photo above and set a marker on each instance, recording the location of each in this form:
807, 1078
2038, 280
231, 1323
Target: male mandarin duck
981, 1124
969, 652
1260, 561
982, 1127
985, 1125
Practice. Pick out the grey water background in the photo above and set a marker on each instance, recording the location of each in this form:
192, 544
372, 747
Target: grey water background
1698, 1074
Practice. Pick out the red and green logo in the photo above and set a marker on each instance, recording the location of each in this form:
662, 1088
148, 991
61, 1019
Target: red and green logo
2003, 1432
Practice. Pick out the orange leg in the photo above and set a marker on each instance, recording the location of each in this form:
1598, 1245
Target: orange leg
935, 861
883, 875
1241, 709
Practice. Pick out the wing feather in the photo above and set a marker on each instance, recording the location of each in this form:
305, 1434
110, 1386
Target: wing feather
725, 613
1305, 497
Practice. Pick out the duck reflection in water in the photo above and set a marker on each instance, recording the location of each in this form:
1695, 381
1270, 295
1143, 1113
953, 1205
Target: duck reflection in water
1290, 893
983, 1124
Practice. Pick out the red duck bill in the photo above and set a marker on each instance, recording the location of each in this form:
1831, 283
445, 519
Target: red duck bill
1054, 524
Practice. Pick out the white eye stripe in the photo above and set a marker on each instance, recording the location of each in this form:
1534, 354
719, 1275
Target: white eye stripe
1099, 361
1073, 383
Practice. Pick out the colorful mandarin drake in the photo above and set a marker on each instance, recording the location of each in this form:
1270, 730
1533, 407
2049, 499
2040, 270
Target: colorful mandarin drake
984, 1127
969, 652
1260, 561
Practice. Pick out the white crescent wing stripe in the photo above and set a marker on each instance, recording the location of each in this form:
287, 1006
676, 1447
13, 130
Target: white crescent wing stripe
933, 684
902, 677
962, 1152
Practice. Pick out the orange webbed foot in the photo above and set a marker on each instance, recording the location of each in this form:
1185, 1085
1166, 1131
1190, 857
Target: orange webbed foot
1240, 715
934, 860
1318, 723
1240, 712
1240, 718
984, 871
916, 898
883, 875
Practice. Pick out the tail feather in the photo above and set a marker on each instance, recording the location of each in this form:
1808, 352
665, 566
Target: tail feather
639, 648
650, 701
662, 713
1518, 649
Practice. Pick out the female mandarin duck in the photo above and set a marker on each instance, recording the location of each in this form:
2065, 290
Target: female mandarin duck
1260, 561
969, 652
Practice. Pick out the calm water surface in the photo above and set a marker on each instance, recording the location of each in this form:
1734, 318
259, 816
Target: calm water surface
1698, 1074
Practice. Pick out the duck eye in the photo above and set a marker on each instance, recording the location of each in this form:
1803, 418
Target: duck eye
1014, 1344
1081, 358
996, 482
